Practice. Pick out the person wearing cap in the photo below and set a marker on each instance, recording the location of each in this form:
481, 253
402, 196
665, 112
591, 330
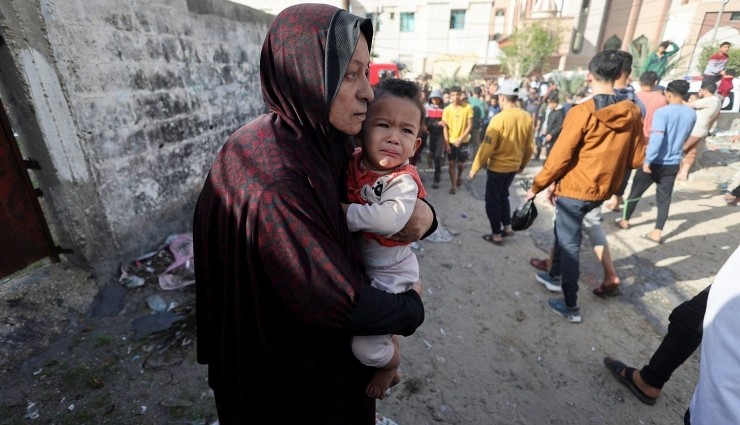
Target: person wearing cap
458, 122
671, 126
658, 60
435, 128
505, 150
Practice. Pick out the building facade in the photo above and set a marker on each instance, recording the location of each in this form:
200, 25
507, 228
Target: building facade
437, 36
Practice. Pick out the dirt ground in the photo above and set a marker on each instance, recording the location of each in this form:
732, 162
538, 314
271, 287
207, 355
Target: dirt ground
489, 352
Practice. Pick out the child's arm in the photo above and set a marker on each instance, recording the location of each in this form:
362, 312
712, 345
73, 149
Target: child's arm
388, 216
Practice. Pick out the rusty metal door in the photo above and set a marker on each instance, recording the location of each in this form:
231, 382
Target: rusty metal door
24, 235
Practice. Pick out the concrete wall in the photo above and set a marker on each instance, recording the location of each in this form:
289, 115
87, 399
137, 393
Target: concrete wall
125, 104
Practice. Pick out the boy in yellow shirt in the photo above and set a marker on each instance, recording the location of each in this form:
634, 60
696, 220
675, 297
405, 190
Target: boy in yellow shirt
458, 122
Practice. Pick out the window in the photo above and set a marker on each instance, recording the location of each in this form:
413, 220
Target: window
500, 12
407, 22
613, 43
735, 16
579, 33
375, 19
641, 48
457, 19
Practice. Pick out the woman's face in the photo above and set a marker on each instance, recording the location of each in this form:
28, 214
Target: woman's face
347, 111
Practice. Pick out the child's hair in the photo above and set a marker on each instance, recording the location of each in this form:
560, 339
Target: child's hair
678, 87
726, 43
626, 61
665, 44
730, 72
606, 66
648, 78
400, 88
710, 87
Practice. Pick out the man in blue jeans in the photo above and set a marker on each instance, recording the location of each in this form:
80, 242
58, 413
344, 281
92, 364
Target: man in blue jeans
601, 138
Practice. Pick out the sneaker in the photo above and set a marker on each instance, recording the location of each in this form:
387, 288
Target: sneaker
552, 283
573, 314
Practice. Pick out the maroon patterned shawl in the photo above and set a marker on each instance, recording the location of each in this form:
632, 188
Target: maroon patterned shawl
280, 288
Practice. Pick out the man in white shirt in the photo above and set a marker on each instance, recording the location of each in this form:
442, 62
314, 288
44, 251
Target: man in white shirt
707, 110
716, 399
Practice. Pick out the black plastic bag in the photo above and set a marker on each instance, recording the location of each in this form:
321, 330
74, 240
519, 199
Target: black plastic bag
524, 216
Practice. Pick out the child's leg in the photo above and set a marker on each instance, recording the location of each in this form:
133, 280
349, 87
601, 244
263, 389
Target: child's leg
381, 352
386, 376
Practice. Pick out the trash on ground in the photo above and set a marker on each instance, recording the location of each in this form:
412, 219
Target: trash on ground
440, 235
181, 247
153, 323
156, 303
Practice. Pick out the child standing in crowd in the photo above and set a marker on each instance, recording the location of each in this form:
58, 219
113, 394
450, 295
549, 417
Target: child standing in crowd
383, 188
725, 84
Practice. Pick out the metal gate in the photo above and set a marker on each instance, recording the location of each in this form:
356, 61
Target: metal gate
24, 235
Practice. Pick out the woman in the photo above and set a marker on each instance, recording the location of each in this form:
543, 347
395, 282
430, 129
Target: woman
280, 288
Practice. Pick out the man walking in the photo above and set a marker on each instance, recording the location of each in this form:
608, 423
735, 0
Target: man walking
600, 139
707, 110
670, 128
506, 149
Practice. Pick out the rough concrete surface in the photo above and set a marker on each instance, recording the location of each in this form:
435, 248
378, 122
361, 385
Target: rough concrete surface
489, 352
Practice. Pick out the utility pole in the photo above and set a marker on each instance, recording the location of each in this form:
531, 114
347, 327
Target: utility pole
345, 5
719, 18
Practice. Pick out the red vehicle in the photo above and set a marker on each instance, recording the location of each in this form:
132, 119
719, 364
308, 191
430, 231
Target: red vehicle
382, 71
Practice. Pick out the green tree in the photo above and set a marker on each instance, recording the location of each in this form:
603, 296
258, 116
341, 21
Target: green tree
528, 47
448, 81
568, 86
708, 50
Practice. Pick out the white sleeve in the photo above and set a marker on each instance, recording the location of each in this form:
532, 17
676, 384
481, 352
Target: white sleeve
387, 217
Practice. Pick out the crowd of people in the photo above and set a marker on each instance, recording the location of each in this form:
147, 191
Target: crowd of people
302, 232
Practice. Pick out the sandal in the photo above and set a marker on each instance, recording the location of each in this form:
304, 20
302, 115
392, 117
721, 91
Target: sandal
618, 222
616, 368
610, 290
489, 238
452, 191
649, 239
539, 264
730, 199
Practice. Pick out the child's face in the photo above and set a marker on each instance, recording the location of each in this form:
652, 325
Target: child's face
389, 134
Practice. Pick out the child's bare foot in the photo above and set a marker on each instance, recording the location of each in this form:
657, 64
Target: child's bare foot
382, 380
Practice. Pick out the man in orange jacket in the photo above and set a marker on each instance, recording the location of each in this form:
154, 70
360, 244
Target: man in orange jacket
601, 138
